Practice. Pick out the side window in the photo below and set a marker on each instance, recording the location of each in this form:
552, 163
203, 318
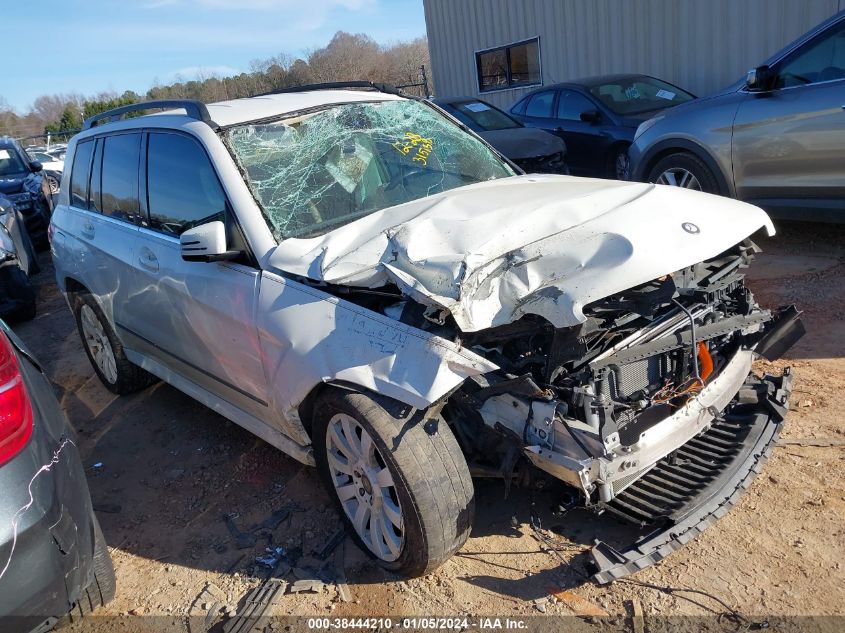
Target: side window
571, 104
182, 188
121, 156
821, 60
519, 108
540, 104
79, 174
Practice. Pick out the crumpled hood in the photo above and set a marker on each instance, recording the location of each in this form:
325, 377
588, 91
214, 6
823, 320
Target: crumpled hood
546, 245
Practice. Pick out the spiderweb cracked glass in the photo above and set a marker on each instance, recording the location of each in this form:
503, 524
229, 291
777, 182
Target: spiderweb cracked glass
315, 172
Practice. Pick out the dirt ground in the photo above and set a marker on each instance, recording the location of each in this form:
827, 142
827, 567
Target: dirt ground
165, 471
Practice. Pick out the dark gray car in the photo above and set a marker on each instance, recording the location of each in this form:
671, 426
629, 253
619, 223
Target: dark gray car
54, 562
532, 149
776, 139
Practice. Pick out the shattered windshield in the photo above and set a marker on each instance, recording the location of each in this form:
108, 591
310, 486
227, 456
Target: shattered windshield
314, 172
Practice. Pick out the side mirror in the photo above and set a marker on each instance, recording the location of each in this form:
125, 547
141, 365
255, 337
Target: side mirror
590, 116
206, 243
759, 79
35, 166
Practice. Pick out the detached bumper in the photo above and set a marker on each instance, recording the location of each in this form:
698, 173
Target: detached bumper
686, 492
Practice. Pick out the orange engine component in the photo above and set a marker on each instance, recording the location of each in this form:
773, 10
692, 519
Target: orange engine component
705, 361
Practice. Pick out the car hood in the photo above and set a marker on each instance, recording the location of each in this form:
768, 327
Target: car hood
519, 143
492, 252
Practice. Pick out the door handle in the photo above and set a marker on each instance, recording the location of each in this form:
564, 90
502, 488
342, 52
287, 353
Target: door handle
148, 260
88, 229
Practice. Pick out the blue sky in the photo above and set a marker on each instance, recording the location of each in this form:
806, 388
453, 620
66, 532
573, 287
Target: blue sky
116, 45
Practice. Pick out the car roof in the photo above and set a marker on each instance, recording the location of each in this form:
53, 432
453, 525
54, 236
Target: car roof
235, 111
598, 80
448, 100
254, 108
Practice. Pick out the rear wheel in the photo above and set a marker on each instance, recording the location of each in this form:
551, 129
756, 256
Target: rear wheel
402, 484
686, 171
105, 351
53, 182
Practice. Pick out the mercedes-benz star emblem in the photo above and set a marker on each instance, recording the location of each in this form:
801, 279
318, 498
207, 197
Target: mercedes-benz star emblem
689, 227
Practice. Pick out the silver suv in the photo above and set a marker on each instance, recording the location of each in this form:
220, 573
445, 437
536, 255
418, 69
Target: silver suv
776, 139
365, 284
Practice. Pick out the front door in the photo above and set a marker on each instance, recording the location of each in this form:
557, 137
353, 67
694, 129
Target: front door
195, 318
789, 142
586, 142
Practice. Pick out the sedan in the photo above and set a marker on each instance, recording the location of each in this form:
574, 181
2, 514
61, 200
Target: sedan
597, 117
532, 149
54, 563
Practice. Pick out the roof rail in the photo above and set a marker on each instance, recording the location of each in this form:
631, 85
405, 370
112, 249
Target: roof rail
194, 109
334, 85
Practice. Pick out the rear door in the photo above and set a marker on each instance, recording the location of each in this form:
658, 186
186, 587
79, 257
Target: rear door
789, 143
103, 214
196, 319
539, 110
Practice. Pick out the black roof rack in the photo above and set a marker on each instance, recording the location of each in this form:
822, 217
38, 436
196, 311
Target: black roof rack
335, 85
194, 109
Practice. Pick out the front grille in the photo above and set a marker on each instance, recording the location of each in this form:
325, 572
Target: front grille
623, 482
676, 480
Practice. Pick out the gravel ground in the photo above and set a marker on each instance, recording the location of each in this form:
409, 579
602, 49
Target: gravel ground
165, 471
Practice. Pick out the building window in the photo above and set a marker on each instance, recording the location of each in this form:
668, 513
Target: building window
509, 66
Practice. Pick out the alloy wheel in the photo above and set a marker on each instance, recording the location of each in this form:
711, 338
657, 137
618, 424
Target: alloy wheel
622, 166
679, 177
98, 343
365, 487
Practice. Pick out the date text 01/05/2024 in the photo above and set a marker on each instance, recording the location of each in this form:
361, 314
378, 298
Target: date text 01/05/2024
417, 623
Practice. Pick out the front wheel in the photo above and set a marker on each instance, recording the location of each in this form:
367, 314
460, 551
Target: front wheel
618, 165
401, 483
686, 171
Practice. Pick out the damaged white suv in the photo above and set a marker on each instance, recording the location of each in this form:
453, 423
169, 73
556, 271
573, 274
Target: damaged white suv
362, 282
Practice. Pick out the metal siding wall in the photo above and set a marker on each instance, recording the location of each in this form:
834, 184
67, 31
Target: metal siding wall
701, 45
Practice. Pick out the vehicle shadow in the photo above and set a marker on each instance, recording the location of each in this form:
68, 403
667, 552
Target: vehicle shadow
803, 264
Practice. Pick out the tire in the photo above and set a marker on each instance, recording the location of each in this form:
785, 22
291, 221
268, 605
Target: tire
105, 351
102, 589
672, 170
18, 285
426, 476
618, 165
53, 183
26, 240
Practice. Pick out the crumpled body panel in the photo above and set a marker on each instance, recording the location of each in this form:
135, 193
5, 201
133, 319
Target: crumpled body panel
548, 245
309, 337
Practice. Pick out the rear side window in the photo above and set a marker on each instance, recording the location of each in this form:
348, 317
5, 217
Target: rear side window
182, 188
79, 174
540, 104
119, 183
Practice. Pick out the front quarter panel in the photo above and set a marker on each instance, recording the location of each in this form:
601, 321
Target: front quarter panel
705, 128
309, 337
